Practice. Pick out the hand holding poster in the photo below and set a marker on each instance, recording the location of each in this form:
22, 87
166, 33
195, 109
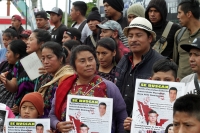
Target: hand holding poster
89, 114
153, 105
27, 125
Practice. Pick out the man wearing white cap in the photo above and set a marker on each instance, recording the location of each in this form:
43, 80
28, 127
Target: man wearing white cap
138, 63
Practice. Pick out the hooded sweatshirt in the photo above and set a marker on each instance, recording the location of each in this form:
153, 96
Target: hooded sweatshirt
159, 27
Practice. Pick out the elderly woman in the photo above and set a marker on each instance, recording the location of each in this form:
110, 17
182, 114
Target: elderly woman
85, 83
53, 59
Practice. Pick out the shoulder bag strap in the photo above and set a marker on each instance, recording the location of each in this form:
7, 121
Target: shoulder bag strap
196, 83
160, 45
93, 41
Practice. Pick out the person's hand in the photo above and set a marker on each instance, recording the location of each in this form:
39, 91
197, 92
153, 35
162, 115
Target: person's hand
42, 70
15, 109
3, 77
65, 126
49, 131
127, 123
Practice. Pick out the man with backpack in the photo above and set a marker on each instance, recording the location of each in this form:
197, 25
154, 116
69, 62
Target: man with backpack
77, 14
156, 13
188, 15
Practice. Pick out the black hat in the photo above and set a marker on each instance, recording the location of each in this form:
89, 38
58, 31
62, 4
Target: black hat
41, 14
118, 5
195, 44
73, 32
94, 15
56, 10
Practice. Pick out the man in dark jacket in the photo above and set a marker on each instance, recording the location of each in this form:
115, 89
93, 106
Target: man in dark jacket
93, 19
156, 13
113, 11
16, 22
138, 63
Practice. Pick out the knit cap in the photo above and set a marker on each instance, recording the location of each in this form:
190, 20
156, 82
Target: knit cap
94, 15
118, 5
137, 10
36, 99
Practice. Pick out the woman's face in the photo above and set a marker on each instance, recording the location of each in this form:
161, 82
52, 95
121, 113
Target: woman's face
104, 56
32, 45
11, 57
85, 64
170, 129
50, 61
6, 40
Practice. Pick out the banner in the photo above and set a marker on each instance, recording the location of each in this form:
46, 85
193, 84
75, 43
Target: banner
27, 125
153, 105
89, 114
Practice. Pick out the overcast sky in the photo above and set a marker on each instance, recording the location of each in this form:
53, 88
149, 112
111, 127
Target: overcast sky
47, 5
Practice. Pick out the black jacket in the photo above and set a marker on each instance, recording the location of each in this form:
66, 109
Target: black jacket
122, 21
126, 75
159, 28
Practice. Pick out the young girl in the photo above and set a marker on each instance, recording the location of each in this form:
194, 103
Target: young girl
15, 51
8, 36
108, 56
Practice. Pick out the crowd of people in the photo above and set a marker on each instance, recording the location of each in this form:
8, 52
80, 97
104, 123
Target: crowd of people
103, 58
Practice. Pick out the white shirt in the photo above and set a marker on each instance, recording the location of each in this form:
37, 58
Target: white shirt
189, 82
85, 32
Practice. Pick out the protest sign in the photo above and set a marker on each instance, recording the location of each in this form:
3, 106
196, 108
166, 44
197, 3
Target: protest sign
153, 105
31, 63
27, 125
90, 114
3, 118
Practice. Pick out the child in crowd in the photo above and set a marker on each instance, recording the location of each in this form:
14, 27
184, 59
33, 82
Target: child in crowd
163, 70
186, 118
32, 106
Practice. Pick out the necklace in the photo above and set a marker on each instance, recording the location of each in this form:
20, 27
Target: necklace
86, 90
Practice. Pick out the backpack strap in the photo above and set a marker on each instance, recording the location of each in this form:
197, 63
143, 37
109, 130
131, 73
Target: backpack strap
80, 28
196, 84
160, 45
180, 34
93, 41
